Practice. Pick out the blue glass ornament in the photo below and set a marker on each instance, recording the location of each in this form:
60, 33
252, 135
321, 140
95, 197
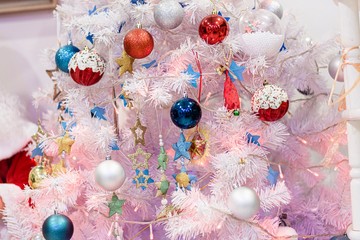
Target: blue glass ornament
63, 56
185, 113
58, 227
343, 237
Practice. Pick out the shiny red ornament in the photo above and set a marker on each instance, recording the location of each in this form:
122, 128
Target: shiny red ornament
138, 43
270, 103
231, 96
213, 29
86, 67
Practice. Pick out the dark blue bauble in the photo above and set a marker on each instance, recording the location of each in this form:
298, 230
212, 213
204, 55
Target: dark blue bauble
63, 56
185, 113
343, 237
58, 227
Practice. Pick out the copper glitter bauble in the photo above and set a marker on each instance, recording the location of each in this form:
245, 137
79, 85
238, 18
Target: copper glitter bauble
213, 29
138, 43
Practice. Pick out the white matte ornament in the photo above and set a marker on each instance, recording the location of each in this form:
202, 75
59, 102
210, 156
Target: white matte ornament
334, 64
286, 233
272, 6
110, 175
243, 203
168, 14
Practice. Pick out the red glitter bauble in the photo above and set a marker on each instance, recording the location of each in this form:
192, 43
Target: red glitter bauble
86, 67
138, 43
270, 103
213, 29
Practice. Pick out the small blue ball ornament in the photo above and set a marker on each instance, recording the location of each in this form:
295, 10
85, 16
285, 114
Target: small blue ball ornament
185, 113
58, 227
63, 56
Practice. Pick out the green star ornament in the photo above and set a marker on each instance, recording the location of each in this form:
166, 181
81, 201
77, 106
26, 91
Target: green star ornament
115, 206
162, 159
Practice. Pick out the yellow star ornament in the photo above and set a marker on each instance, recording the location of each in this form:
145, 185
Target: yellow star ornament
65, 143
125, 63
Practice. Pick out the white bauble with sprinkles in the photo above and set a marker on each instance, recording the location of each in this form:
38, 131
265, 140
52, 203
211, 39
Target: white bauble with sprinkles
86, 67
270, 103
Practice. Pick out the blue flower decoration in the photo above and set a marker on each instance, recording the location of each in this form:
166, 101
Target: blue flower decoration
90, 37
150, 64
98, 112
237, 71
195, 75
253, 139
226, 18
37, 152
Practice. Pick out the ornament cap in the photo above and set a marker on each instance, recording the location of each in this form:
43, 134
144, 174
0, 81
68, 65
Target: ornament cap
214, 11
265, 82
108, 157
138, 25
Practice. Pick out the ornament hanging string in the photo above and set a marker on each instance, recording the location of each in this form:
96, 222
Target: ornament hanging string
341, 67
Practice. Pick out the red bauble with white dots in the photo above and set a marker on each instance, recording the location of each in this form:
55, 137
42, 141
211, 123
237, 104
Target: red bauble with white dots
270, 103
86, 67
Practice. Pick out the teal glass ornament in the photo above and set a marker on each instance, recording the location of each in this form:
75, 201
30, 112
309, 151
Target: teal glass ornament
63, 56
186, 113
58, 227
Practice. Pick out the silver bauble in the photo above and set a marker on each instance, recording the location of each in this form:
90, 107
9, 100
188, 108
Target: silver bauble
272, 6
110, 175
168, 14
243, 203
333, 67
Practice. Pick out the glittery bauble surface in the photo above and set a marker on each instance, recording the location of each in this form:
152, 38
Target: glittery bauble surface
243, 202
63, 56
270, 103
182, 179
272, 6
198, 146
213, 29
168, 14
185, 113
58, 227
36, 175
138, 43
286, 233
333, 67
110, 175
86, 67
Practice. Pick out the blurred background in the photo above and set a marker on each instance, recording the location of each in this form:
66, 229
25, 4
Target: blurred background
24, 36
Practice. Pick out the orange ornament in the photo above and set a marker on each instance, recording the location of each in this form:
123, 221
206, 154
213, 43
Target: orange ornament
138, 43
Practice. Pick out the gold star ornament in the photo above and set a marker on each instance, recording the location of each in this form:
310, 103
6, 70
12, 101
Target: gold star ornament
125, 62
64, 143
135, 159
138, 130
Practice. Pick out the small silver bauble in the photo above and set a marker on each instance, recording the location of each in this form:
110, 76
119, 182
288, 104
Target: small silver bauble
272, 6
168, 14
333, 67
110, 175
243, 202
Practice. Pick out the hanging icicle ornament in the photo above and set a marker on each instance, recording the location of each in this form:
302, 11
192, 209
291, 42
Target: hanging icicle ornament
333, 68
270, 103
231, 96
138, 43
110, 174
243, 203
63, 56
261, 32
186, 113
168, 14
86, 67
213, 28
58, 227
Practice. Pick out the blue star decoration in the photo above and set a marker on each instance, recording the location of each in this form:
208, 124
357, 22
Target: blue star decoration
226, 18
37, 152
150, 64
90, 37
195, 75
142, 178
65, 125
114, 146
122, 97
272, 176
183, 5
252, 139
98, 112
61, 105
92, 11
184, 180
237, 71
283, 48
181, 148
